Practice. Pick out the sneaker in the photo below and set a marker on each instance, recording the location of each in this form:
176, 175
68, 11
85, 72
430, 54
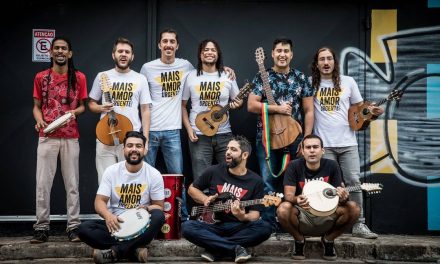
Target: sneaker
72, 234
329, 249
298, 250
207, 256
40, 236
142, 254
103, 256
241, 254
362, 230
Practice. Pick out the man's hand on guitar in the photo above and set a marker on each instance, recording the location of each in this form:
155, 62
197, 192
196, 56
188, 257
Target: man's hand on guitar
236, 103
40, 124
375, 110
210, 199
285, 109
237, 211
106, 107
302, 201
343, 195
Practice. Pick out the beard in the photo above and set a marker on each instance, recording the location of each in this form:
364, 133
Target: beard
135, 161
123, 67
234, 162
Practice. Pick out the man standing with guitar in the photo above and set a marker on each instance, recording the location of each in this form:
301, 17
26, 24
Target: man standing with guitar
334, 94
207, 86
290, 94
128, 90
294, 214
239, 227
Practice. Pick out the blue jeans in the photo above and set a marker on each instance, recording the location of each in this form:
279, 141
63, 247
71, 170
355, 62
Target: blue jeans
220, 239
169, 143
272, 184
203, 151
348, 160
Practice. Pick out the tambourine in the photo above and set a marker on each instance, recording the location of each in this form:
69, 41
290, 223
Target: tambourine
136, 221
57, 123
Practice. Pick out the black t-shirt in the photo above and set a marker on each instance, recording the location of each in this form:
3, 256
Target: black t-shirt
218, 179
297, 174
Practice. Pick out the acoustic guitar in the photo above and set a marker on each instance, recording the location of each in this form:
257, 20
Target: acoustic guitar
323, 199
283, 128
111, 129
359, 117
223, 203
209, 121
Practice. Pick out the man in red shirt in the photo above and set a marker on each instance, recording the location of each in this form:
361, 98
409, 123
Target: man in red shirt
59, 90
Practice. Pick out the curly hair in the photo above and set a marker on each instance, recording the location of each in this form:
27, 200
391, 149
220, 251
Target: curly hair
316, 74
218, 64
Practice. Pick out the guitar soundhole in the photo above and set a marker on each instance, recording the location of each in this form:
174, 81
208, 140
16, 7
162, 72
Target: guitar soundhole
216, 116
112, 122
365, 111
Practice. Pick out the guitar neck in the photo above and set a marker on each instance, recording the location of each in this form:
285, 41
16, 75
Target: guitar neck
226, 108
266, 86
353, 188
224, 206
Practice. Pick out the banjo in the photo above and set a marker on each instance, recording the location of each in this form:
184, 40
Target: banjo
323, 199
136, 221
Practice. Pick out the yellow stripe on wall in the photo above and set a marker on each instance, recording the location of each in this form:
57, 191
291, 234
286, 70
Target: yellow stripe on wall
378, 148
383, 22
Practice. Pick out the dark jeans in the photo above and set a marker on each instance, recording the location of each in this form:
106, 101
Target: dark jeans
220, 239
95, 234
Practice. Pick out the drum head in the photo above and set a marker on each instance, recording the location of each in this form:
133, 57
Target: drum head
135, 222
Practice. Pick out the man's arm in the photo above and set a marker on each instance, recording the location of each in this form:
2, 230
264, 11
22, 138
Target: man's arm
289, 195
38, 115
254, 106
146, 119
185, 119
240, 213
155, 204
199, 197
98, 108
111, 220
309, 114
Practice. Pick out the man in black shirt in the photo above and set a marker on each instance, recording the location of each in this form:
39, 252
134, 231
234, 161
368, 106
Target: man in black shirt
236, 227
295, 214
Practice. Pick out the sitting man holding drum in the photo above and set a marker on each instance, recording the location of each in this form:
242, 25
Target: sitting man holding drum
297, 214
130, 187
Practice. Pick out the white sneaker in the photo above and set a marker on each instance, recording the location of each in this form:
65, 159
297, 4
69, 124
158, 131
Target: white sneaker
361, 230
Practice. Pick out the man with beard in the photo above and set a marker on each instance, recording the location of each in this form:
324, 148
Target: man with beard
294, 214
206, 86
129, 89
58, 90
127, 184
237, 227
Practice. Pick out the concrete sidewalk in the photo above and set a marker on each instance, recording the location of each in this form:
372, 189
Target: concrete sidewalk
350, 250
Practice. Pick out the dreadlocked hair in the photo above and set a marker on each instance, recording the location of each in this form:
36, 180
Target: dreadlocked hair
71, 71
316, 75
218, 64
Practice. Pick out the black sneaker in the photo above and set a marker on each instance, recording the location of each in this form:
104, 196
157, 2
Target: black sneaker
241, 254
72, 234
298, 250
207, 256
40, 236
103, 256
329, 249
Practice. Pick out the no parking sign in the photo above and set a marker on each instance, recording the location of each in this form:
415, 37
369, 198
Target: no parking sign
41, 41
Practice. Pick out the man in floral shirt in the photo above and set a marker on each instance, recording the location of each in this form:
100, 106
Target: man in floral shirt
293, 96
58, 90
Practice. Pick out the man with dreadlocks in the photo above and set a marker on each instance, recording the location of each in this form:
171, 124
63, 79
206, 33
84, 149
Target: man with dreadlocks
334, 94
207, 86
58, 90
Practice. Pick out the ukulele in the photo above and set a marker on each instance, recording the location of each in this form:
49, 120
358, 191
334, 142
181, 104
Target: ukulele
223, 203
283, 128
323, 199
360, 117
209, 121
111, 129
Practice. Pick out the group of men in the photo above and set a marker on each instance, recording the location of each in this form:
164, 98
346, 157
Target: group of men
161, 91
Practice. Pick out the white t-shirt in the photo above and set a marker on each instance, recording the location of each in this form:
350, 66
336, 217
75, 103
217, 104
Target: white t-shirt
128, 91
331, 112
207, 90
166, 85
129, 190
